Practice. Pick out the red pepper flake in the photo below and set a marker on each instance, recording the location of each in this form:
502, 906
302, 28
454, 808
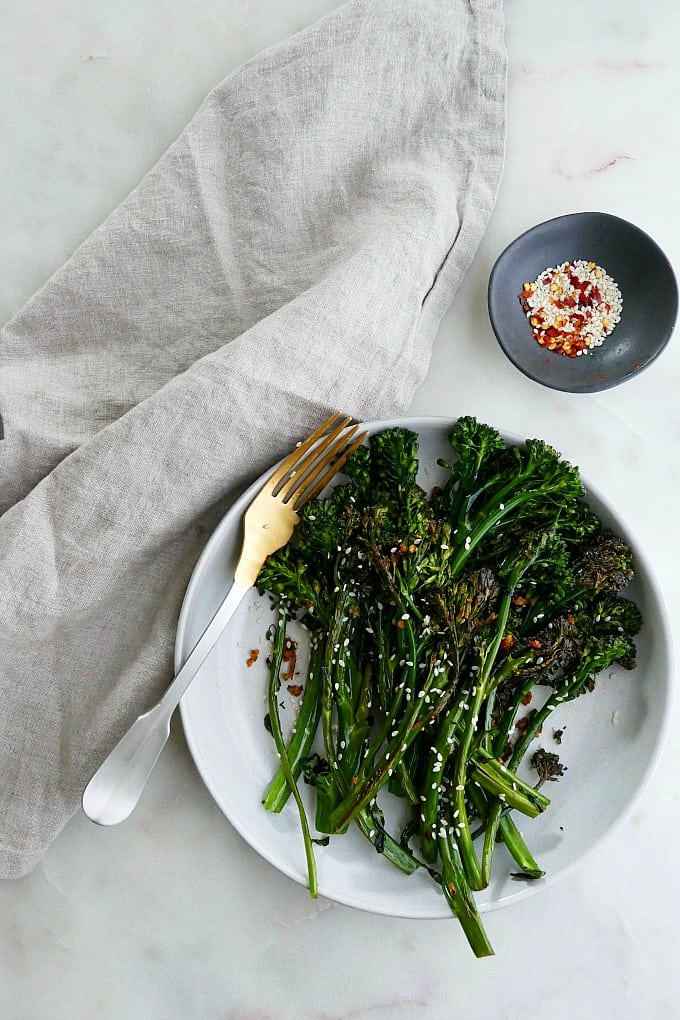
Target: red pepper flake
522, 725
253, 657
295, 689
289, 657
526, 700
507, 643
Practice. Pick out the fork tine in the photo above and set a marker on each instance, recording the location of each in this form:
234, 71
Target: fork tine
292, 459
315, 462
299, 471
300, 498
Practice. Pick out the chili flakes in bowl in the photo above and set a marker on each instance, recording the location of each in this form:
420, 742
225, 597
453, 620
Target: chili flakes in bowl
572, 308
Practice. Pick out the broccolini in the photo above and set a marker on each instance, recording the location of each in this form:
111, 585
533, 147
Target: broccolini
432, 618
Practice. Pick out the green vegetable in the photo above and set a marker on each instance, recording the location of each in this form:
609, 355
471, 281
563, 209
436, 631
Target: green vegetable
432, 619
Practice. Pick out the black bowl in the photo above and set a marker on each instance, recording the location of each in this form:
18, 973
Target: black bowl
642, 272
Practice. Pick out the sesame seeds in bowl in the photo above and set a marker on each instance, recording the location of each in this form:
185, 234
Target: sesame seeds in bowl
572, 308
583, 302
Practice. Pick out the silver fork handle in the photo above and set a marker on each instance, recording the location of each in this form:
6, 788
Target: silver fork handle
115, 788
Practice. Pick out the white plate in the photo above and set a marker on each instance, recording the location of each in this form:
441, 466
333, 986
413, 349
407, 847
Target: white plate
612, 737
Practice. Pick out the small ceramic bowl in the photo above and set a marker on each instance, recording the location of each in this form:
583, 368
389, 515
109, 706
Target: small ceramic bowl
642, 272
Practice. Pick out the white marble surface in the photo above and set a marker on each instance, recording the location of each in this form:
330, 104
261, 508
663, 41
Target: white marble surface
171, 915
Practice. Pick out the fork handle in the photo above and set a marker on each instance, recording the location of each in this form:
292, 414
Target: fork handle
115, 788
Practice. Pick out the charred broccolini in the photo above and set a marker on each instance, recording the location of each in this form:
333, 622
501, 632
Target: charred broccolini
431, 619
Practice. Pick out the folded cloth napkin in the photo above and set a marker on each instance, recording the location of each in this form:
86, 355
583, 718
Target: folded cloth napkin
293, 252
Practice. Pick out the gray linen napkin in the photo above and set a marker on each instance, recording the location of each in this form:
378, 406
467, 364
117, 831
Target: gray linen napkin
293, 252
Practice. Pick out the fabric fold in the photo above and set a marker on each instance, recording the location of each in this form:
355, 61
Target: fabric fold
293, 252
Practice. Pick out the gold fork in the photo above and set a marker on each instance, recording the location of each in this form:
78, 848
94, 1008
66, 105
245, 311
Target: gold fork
269, 522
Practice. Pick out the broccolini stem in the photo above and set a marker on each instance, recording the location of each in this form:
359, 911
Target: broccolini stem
274, 685
567, 690
500, 738
328, 671
397, 697
418, 714
459, 781
510, 790
514, 841
300, 743
479, 693
460, 899
384, 670
385, 844
489, 519
441, 751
